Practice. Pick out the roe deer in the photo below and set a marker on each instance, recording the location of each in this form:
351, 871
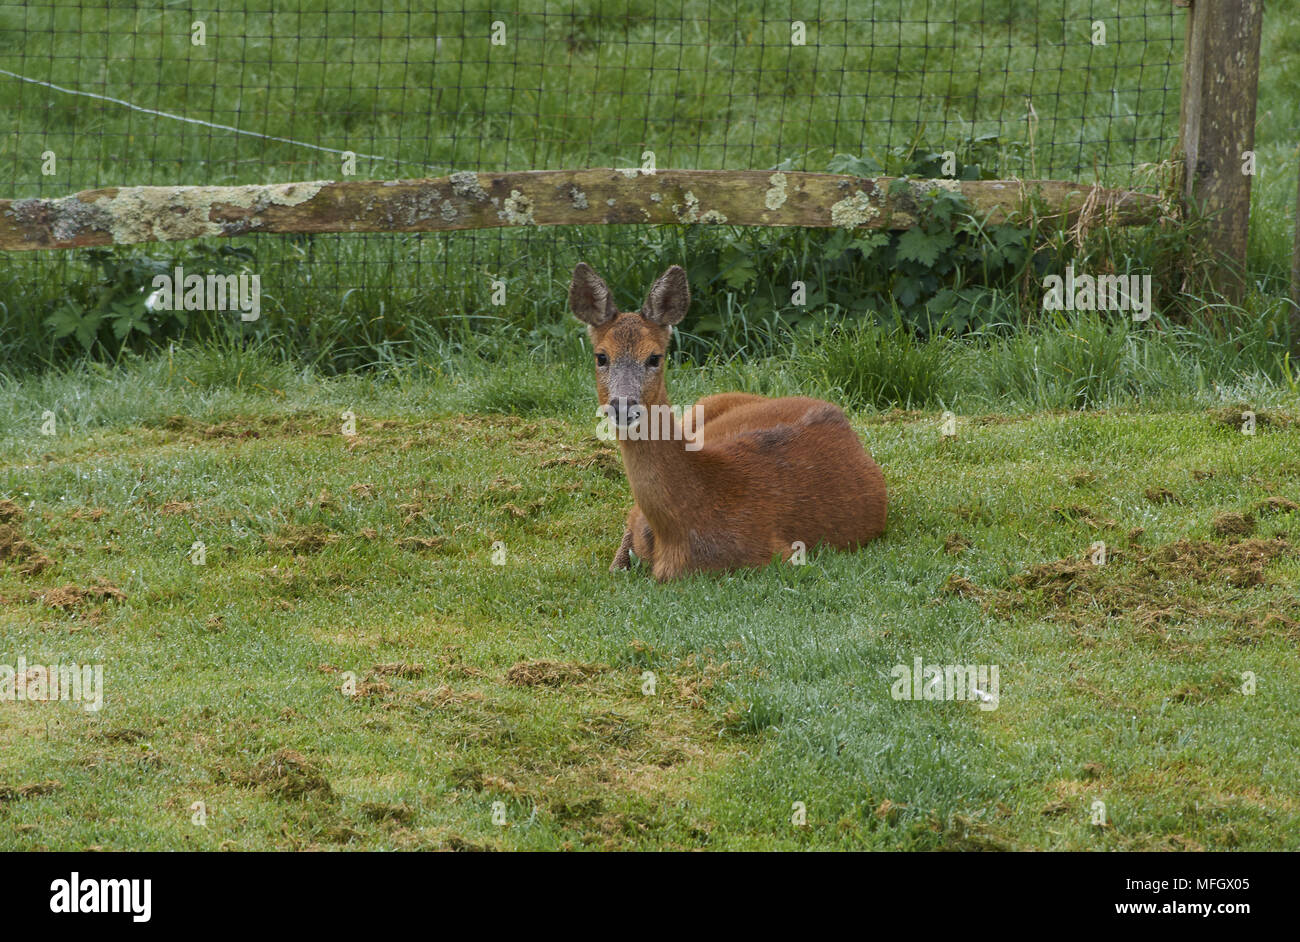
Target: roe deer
740, 478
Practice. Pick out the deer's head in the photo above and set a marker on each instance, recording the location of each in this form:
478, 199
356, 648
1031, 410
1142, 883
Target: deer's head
630, 347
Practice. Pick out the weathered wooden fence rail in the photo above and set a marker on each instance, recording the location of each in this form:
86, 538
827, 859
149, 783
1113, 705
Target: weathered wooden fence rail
125, 215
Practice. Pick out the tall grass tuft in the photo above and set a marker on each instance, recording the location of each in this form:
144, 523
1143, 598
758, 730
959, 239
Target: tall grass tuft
867, 365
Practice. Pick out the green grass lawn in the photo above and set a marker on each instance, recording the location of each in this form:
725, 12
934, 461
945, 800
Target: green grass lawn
421, 89
370, 558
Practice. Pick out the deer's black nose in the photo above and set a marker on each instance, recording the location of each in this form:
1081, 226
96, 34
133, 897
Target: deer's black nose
624, 409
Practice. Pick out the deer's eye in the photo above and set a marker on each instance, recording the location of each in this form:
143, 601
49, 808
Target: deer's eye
653, 361
602, 360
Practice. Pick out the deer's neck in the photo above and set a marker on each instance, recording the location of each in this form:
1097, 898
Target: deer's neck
663, 473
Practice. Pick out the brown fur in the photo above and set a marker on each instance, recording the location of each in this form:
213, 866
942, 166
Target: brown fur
771, 471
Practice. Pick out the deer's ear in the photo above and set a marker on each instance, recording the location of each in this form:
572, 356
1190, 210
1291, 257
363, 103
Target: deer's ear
668, 299
589, 297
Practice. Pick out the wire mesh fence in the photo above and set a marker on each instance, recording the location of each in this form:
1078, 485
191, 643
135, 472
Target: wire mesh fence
101, 93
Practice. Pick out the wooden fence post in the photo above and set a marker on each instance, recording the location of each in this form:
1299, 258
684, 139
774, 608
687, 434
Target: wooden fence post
1220, 82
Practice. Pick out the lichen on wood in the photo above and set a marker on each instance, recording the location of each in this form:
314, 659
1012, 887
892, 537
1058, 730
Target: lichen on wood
466, 200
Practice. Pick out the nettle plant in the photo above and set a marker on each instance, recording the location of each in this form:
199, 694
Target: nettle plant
937, 276
105, 312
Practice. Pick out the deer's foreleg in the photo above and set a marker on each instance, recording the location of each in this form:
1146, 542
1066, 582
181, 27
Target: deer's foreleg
622, 559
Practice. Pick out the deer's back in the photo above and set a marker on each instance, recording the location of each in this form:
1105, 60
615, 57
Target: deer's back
794, 466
